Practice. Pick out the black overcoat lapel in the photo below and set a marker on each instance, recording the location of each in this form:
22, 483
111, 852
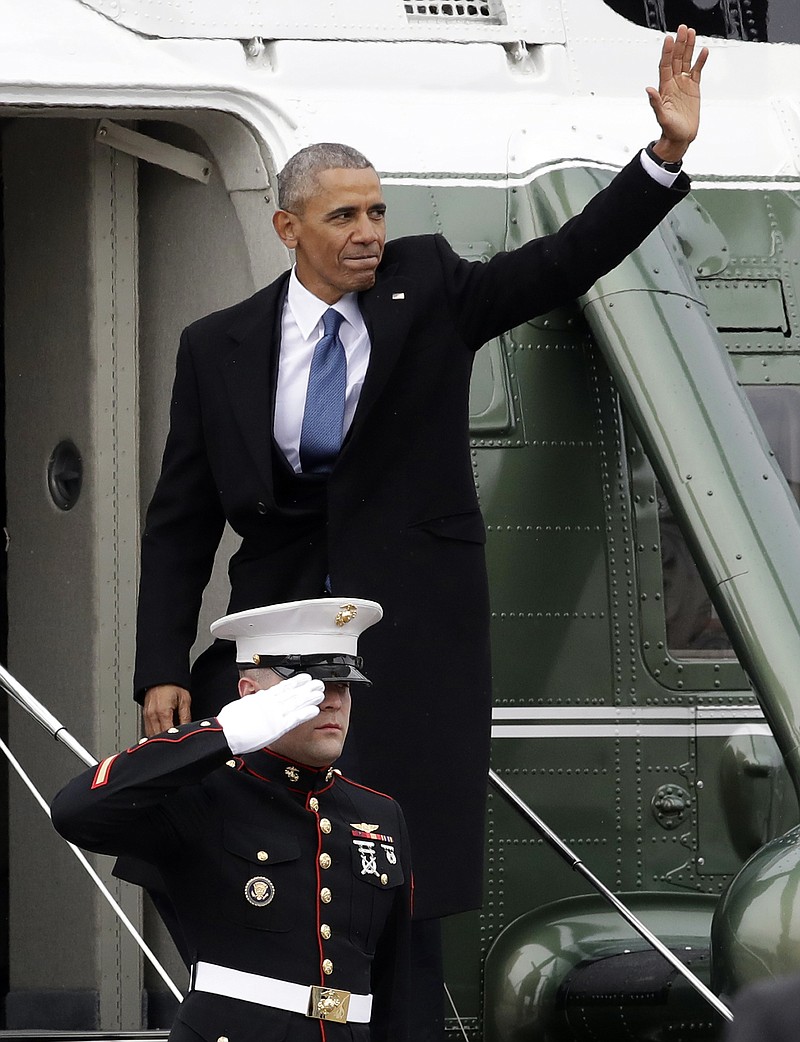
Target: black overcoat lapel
249, 367
388, 309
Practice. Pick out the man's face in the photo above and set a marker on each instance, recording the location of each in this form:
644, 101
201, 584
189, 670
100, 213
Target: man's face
318, 742
339, 237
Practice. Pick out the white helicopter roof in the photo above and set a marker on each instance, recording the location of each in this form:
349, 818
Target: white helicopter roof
499, 20
490, 95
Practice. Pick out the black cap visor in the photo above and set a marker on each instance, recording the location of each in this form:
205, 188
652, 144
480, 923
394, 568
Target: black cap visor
331, 669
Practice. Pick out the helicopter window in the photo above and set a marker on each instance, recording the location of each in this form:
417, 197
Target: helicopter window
693, 627
764, 21
490, 409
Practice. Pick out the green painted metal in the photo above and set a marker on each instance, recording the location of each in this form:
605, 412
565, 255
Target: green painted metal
707, 449
757, 924
528, 964
568, 490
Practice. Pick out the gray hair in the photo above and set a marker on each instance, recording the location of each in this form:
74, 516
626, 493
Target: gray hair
298, 179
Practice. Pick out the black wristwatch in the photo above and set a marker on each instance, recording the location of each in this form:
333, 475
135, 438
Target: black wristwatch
672, 168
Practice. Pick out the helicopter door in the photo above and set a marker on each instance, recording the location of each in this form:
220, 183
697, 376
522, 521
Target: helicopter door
71, 446
107, 258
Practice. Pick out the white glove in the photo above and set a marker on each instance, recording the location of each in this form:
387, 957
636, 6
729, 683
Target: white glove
253, 721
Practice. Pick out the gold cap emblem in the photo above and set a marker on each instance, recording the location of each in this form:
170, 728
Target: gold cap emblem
346, 614
257, 659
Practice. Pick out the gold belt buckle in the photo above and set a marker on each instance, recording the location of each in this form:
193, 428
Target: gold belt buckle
328, 1004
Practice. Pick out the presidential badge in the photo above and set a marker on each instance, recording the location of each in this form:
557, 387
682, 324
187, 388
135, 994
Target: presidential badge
346, 614
259, 891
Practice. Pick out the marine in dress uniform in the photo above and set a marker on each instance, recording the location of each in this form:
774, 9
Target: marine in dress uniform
291, 883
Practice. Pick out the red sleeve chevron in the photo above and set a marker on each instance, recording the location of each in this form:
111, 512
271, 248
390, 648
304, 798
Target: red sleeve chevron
103, 771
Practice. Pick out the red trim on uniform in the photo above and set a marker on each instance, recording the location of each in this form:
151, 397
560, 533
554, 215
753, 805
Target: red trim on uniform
276, 781
292, 763
175, 741
249, 770
411, 894
319, 887
103, 771
319, 906
285, 760
366, 788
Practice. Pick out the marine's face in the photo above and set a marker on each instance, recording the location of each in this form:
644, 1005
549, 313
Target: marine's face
339, 237
318, 742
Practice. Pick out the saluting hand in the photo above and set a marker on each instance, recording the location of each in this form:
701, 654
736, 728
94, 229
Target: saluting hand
676, 103
256, 720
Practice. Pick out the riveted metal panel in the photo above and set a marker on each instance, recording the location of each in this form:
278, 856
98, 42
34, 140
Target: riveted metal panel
746, 304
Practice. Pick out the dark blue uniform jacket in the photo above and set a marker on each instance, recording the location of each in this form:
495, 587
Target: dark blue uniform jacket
273, 868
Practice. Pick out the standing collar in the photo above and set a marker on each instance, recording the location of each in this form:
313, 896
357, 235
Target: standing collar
308, 310
298, 776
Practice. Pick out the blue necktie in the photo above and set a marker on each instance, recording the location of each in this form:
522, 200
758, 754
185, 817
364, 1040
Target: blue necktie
323, 416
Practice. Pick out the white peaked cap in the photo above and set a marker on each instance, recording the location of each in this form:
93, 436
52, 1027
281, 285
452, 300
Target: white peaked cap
324, 626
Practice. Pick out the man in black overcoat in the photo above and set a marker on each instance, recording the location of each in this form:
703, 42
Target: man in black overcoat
394, 516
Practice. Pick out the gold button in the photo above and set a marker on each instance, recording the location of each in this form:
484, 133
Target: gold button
172, 730
262, 855
325, 930
327, 966
337, 771
324, 860
231, 763
205, 723
314, 803
384, 879
324, 825
325, 895
222, 1038
142, 741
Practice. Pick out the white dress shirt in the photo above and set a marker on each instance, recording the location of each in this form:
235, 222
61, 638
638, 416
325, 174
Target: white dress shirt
658, 173
301, 329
